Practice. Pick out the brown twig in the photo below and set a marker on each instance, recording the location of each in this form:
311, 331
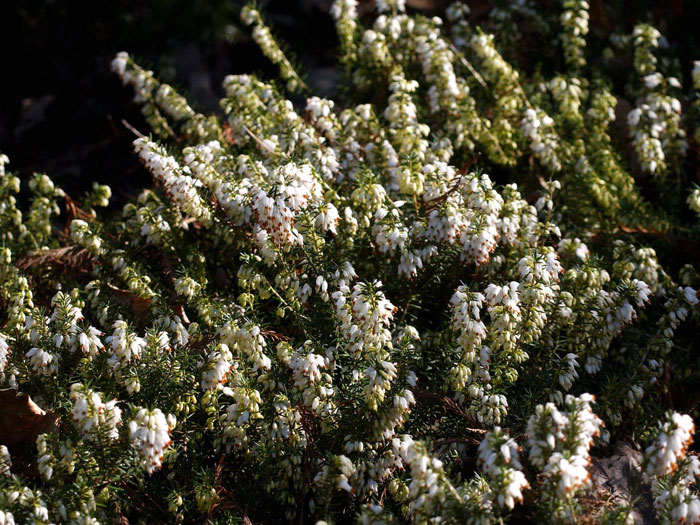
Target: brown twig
232, 503
451, 406
470, 441
202, 342
219, 468
468, 65
133, 129
687, 245
275, 336
74, 258
259, 141
433, 203
73, 210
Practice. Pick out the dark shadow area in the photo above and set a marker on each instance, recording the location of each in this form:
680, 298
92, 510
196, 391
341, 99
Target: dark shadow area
61, 108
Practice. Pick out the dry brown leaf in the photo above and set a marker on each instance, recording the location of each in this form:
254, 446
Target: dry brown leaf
426, 5
138, 305
74, 258
74, 211
228, 134
22, 420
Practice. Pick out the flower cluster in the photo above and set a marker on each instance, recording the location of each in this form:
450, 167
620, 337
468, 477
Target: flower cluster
176, 181
92, 415
263, 37
559, 444
655, 129
539, 128
672, 471
574, 21
694, 200
500, 461
150, 432
670, 446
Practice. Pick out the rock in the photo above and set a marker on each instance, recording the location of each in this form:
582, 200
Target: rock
33, 113
617, 478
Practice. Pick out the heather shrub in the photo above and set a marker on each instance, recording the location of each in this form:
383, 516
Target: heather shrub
436, 299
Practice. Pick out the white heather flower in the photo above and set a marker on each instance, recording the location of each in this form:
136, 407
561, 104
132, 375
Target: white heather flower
653, 80
217, 367
389, 238
574, 246
327, 219
241, 414
296, 187
506, 295
160, 341
306, 369
65, 315
266, 42
344, 6
179, 336
45, 460
669, 447
567, 378
125, 345
412, 379
321, 115
92, 415
365, 315
322, 287
150, 433
491, 409
429, 485
89, 341
694, 200
643, 292
80, 233
675, 501
559, 442
568, 93
691, 296
572, 473
500, 461
654, 126
387, 5
346, 470
539, 128
494, 64
248, 15
176, 181
4, 353
5, 462
574, 22
4, 159
466, 321
187, 287
410, 263
42, 362
119, 63
132, 385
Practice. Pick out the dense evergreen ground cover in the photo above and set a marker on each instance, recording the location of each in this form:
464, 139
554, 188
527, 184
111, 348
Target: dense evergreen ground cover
445, 295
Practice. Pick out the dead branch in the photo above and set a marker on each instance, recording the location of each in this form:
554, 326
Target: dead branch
73, 258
